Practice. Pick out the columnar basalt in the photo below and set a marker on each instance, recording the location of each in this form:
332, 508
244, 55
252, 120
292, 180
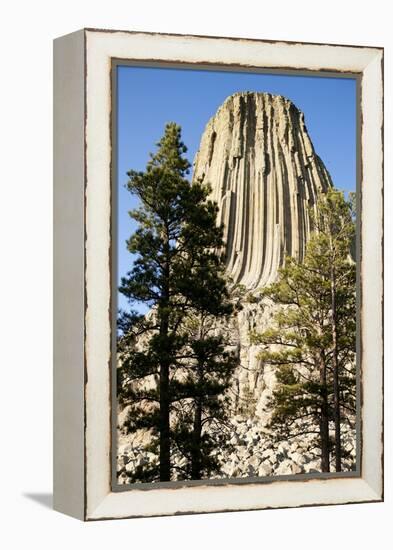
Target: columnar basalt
258, 157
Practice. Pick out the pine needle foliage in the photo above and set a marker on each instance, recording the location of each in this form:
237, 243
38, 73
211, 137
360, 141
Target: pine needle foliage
312, 341
178, 272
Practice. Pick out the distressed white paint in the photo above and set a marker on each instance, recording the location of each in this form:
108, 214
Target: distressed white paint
68, 251
371, 269
101, 46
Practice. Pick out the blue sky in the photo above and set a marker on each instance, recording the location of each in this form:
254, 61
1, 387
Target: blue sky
148, 98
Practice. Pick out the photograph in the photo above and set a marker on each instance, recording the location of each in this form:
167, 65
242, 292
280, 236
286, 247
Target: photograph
196, 282
234, 274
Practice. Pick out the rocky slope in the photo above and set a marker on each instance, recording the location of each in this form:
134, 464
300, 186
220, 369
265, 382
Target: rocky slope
254, 453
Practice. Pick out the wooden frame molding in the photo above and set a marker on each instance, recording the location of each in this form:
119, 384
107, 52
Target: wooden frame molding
82, 335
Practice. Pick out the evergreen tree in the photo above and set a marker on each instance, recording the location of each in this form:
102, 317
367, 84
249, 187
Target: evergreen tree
177, 268
312, 344
335, 227
201, 417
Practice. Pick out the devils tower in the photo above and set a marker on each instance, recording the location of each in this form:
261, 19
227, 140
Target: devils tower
258, 157
265, 176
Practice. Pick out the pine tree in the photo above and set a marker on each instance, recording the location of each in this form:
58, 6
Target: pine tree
201, 418
335, 227
177, 268
312, 344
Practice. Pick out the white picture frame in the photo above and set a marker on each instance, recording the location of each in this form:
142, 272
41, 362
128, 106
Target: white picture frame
82, 256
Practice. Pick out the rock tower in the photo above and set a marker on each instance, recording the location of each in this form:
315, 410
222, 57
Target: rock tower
265, 176
258, 157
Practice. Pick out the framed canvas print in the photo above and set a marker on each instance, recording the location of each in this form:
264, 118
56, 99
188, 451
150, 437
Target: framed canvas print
218, 274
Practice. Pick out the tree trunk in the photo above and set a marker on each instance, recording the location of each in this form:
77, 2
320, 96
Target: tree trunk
196, 465
164, 421
164, 427
324, 419
196, 451
336, 384
165, 462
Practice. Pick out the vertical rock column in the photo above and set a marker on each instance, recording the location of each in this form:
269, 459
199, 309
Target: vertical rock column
265, 175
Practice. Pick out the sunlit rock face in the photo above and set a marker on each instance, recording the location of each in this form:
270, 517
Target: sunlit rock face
259, 160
